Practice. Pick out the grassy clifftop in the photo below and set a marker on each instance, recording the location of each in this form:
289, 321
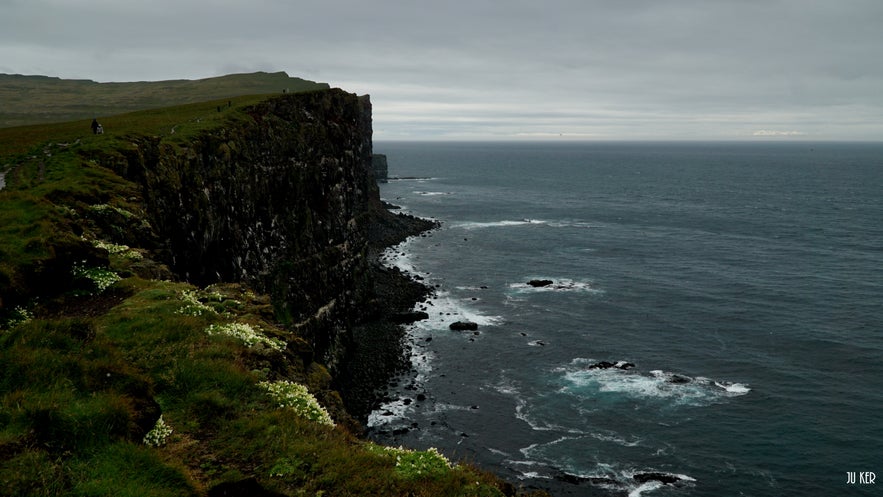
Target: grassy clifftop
41, 99
115, 379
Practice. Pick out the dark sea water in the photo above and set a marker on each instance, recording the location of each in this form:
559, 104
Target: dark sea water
743, 281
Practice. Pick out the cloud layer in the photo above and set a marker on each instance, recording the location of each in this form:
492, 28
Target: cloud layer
483, 69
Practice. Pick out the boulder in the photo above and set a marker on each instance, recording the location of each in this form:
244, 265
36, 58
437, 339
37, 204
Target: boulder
602, 365
664, 478
539, 283
463, 326
408, 317
607, 365
678, 379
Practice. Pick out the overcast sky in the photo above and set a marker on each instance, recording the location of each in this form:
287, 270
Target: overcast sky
500, 69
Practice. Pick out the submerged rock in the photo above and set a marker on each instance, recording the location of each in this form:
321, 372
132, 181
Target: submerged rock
539, 283
664, 478
408, 317
678, 379
607, 365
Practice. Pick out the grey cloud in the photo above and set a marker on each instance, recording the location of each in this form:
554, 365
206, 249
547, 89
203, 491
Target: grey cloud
493, 68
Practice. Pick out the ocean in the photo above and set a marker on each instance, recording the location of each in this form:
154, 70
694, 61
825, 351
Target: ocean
657, 319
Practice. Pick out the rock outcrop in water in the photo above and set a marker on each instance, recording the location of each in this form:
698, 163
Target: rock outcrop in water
381, 168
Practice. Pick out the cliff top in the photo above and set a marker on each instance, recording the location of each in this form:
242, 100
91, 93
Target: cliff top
43, 99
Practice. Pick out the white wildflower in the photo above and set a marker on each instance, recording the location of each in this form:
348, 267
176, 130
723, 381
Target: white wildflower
247, 334
192, 305
102, 278
157, 436
122, 250
296, 397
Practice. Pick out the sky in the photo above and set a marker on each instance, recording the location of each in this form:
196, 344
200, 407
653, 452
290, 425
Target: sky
500, 69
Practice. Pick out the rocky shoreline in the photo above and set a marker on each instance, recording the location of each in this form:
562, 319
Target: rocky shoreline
379, 351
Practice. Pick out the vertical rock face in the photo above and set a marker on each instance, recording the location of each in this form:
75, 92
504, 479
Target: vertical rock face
280, 200
381, 168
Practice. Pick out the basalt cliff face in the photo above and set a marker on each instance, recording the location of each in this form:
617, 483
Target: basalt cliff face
285, 201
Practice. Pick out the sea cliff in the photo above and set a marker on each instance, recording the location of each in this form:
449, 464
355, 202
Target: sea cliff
284, 201
167, 286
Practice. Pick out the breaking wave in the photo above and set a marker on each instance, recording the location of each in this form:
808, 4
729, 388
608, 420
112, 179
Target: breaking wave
553, 285
679, 389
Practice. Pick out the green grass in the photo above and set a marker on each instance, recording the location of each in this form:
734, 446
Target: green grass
75, 391
183, 120
129, 470
54, 188
39, 99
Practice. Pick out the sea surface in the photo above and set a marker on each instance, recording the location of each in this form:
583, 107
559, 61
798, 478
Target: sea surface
737, 286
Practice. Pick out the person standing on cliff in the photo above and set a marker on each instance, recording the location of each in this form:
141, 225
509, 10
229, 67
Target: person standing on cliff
95, 126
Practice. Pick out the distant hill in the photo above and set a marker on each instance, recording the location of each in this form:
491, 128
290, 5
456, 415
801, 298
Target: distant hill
41, 99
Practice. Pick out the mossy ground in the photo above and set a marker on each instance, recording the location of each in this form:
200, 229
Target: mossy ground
89, 361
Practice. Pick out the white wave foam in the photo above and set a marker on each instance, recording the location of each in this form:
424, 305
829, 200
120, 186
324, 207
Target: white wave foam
498, 452
386, 413
532, 449
734, 388
530, 473
562, 223
432, 194
443, 309
411, 178
399, 256
497, 224
616, 439
658, 384
441, 408
649, 486
506, 387
645, 487
522, 412
572, 224
471, 288
539, 463
557, 285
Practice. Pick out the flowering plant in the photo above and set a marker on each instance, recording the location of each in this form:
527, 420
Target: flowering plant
411, 464
157, 436
18, 315
247, 334
123, 250
105, 208
101, 278
416, 464
192, 305
296, 397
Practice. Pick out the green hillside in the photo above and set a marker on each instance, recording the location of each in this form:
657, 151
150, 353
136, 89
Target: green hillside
41, 99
